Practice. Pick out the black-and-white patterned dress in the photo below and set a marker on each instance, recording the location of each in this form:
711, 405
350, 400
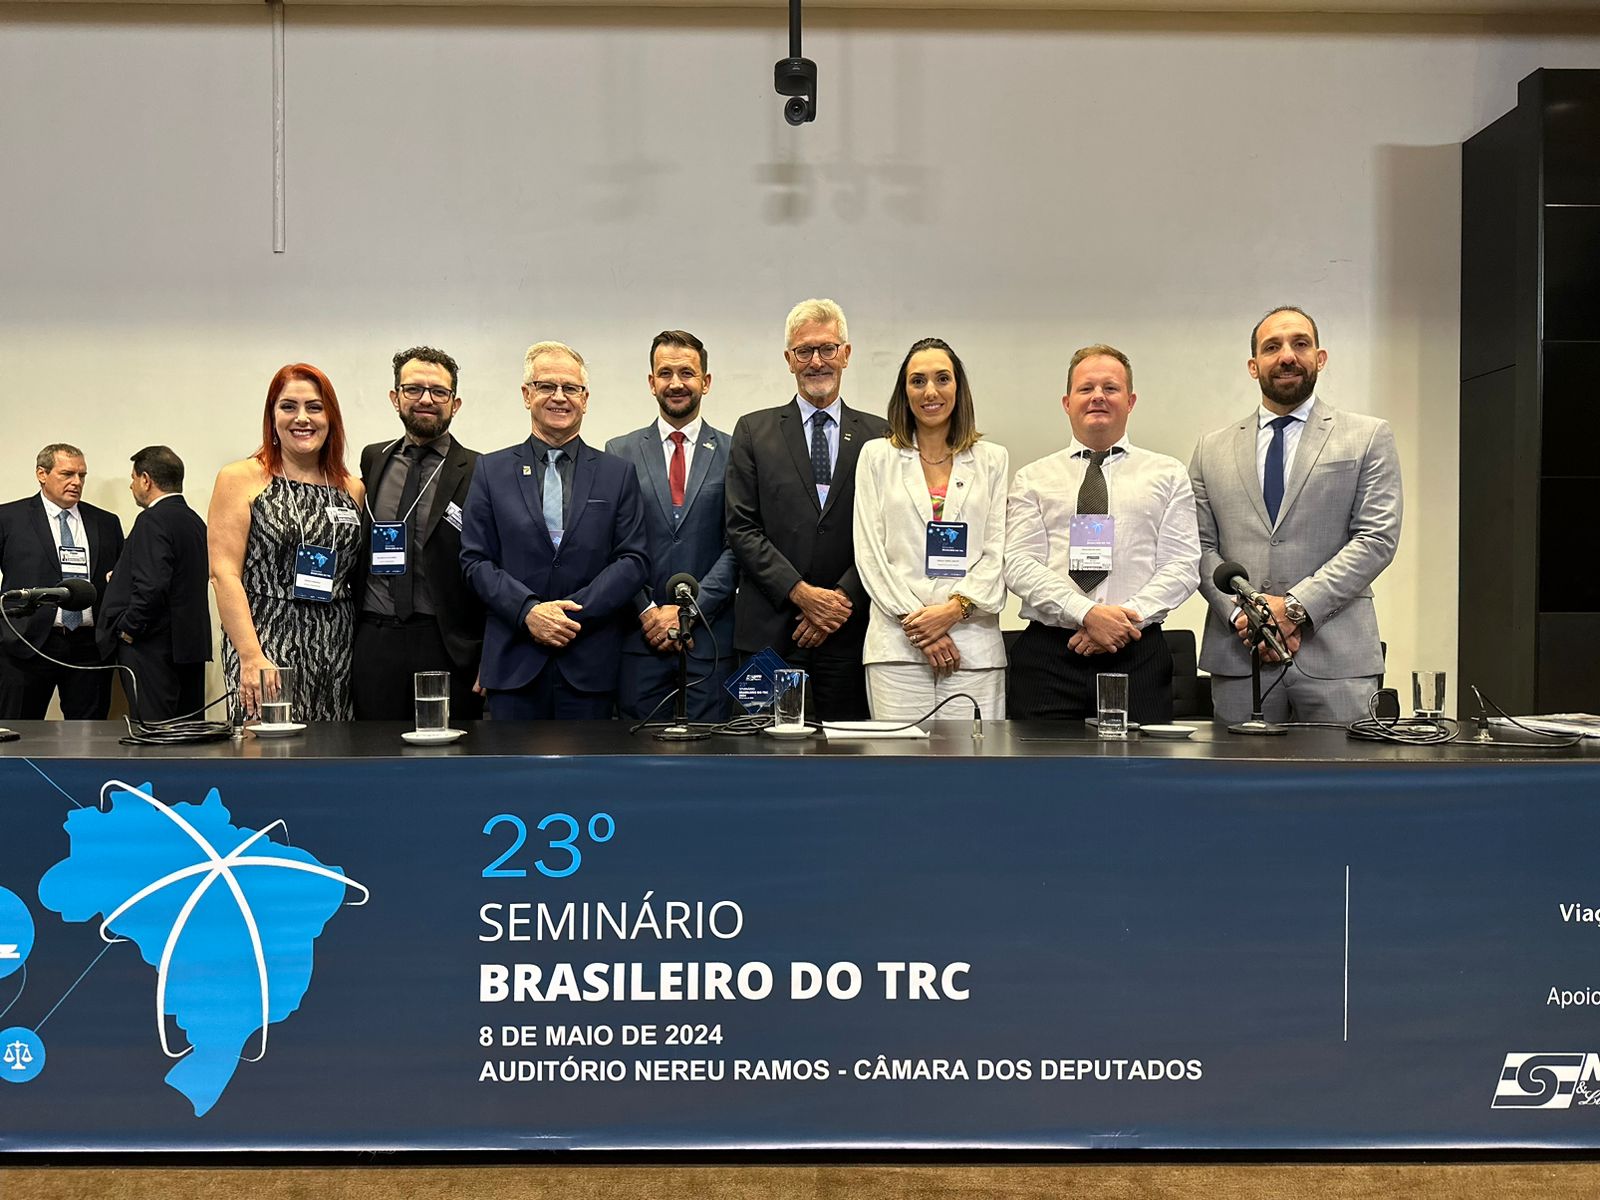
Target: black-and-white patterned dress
313, 636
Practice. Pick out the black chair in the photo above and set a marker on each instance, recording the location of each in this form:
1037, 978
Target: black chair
1191, 691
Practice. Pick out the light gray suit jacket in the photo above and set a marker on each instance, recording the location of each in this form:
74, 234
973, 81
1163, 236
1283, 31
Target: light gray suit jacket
1337, 530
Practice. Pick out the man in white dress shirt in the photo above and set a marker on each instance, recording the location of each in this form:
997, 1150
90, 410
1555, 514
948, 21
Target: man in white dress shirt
1101, 544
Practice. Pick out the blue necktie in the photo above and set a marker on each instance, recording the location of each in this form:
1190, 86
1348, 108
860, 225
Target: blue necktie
821, 468
1272, 477
552, 492
69, 620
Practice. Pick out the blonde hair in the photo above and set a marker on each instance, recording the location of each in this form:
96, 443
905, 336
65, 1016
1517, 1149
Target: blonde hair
540, 349
814, 310
1100, 349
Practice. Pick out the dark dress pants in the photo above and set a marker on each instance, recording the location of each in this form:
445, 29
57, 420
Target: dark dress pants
1047, 680
165, 689
27, 684
387, 653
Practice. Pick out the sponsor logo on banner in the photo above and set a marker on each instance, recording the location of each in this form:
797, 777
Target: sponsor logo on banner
1551, 1080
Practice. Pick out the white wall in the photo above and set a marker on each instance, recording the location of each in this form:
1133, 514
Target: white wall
482, 179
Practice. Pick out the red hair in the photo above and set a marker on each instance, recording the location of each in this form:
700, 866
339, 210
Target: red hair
331, 456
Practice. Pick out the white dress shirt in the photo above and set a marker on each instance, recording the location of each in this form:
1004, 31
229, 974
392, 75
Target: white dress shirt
1291, 436
808, 413
80, 537
1155, 562
691, 436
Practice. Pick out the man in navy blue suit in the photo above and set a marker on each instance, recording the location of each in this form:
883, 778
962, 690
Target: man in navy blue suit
553, 541
681, 461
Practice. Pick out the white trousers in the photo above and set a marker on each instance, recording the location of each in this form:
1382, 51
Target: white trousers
906, 691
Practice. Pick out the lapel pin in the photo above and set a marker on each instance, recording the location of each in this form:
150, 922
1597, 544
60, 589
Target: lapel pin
708, 444
526, 469
961, 483
848, 436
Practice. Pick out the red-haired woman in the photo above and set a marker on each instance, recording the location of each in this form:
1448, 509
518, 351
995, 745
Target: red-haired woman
285, 529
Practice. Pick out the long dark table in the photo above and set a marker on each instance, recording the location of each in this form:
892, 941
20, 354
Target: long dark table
564, 937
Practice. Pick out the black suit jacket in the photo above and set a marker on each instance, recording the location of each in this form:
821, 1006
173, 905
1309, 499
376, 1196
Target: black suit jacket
157, 594
458, 610
781, 535
28, 559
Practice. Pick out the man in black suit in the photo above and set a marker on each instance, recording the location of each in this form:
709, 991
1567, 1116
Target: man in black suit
416, 611
791, 504
155, 619
44, 539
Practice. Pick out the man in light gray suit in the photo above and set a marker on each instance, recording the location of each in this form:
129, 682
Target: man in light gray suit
1306, 497
681, 461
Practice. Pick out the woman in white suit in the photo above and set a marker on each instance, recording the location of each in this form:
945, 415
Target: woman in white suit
930, 531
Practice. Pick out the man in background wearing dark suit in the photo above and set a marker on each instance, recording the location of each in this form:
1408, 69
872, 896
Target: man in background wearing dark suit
681, 462
156, 619
554, 543
791, 512
416, 611
44, 539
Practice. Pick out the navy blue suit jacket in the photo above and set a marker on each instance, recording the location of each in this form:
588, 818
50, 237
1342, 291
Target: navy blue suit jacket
696, 544
510, 561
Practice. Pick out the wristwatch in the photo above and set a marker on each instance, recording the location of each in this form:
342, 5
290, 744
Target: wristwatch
1295, 611
966, 604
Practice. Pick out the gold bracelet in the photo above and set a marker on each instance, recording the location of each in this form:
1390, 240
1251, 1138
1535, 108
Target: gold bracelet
966, 604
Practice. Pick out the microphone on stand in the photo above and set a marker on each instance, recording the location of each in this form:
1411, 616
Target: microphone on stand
72, 595
1231, 577
683, 589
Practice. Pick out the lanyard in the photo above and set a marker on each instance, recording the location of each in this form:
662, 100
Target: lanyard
366, 501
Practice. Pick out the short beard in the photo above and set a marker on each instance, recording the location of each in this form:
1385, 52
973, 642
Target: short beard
1302, 391
665, 403
416, 428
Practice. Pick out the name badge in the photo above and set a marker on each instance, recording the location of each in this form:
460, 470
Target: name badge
75, 562
822, 494
314, 568
947, 549
340, 515
1093, 538
388, 548
452, 513
555, 537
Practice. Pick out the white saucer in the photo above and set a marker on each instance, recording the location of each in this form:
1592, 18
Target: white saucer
277, 729
790, 734
433, 737
1168, 731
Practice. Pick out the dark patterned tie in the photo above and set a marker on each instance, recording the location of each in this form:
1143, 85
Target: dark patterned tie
1272, 476
821, 468
405, 585
1092, 499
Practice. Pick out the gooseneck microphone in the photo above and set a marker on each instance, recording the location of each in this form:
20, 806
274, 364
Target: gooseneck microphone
1231, 577
73, 595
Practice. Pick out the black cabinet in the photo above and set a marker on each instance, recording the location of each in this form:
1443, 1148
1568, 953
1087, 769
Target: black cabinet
1530, 400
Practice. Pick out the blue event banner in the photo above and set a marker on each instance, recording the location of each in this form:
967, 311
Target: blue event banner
761, 953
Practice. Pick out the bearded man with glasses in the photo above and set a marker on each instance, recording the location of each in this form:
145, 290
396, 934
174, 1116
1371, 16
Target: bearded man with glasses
554, 544
791, 490
415, 611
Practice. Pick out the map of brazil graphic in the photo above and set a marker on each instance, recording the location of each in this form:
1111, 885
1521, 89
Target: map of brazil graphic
227, 916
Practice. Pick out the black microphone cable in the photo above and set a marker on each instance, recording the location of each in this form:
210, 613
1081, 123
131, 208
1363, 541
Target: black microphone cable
172, 732
693, 683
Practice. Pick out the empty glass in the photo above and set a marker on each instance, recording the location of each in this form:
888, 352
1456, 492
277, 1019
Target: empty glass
789, 711
1427, 693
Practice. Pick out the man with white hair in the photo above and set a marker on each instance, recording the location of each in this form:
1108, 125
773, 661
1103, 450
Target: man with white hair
553, 541
791, 516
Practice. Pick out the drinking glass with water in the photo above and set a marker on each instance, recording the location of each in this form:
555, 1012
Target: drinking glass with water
277, 695
431, 691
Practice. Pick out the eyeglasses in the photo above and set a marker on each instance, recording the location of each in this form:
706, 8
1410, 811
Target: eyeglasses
414, 391
803, 354
546, 390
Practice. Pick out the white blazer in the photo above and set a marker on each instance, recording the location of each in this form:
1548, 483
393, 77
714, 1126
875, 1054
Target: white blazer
891, 529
